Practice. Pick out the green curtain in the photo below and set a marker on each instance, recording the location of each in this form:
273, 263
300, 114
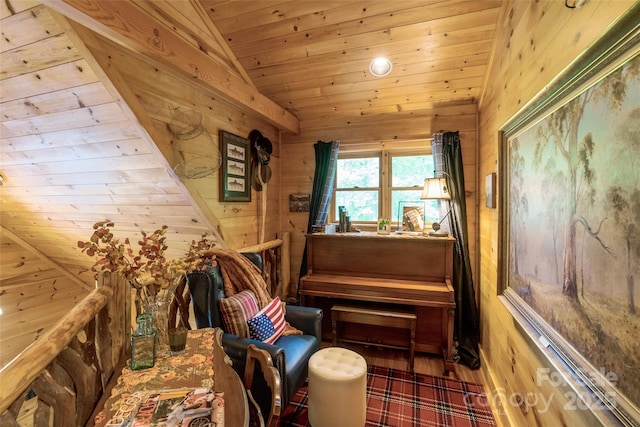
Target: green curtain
467, 324
323, 180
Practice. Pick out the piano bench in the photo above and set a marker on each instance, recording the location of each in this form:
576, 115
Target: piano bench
375, 317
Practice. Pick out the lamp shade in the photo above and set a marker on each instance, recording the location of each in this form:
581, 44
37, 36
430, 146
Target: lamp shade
435, 188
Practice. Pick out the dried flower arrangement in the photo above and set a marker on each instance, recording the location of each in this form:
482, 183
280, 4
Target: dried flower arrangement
148, 271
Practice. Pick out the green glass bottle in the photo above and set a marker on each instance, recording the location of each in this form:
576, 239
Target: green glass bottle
143, 343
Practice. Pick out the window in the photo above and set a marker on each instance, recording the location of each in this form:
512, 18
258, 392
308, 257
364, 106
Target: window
374, 185
358, 187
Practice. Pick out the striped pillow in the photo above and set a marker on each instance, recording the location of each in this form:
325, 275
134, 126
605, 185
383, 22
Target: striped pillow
261, 331
236, 310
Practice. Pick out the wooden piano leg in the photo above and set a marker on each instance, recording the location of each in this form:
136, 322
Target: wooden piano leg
447, 323
412, 350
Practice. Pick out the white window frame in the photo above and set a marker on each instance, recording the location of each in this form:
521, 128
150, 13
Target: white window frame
385, 189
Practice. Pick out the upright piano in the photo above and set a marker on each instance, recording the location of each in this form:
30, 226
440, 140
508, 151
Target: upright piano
397, 270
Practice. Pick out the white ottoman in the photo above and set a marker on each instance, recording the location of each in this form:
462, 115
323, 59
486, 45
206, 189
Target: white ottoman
337, 388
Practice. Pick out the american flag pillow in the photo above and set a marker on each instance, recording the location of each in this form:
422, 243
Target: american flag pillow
259, 325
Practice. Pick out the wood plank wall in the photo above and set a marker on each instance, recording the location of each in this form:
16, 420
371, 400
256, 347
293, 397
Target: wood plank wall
536, 41
33, 295
156, 89
72, 153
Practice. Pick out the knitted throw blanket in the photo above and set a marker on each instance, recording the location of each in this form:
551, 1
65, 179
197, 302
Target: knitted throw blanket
239, 274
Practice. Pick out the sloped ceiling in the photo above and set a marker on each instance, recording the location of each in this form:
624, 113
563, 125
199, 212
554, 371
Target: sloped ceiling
76, 148
304, 64
74, 153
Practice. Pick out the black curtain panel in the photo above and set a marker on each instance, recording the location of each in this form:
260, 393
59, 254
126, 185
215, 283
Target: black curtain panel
467, 324
323, 181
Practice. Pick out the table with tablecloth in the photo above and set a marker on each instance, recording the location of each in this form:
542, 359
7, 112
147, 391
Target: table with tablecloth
192, 369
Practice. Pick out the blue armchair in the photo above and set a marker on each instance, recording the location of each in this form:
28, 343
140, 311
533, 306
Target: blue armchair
290, 353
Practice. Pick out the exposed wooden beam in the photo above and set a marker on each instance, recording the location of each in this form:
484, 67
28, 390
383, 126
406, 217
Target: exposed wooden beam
113, 19
223, 44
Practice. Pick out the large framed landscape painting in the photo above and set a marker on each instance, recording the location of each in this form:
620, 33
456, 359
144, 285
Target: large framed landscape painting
570, 225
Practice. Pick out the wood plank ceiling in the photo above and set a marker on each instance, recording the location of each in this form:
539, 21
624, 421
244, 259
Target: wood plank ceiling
312, 57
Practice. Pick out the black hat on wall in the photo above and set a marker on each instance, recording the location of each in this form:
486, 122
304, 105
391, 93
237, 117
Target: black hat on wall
261, 150
260, 146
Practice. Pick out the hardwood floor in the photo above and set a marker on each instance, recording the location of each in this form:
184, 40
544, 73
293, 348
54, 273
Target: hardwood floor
423, 363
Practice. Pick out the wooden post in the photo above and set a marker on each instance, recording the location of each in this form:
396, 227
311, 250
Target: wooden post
284, 265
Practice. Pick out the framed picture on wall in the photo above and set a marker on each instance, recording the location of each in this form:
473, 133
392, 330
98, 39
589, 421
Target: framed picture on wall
234, 173
299, 202
570, 224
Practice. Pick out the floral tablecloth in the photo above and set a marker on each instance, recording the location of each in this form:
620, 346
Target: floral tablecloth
193, 368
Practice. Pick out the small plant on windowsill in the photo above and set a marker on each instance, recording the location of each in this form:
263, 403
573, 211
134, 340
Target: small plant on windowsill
147, 270
384, 226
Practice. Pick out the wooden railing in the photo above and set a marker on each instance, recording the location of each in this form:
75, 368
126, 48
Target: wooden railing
62, 376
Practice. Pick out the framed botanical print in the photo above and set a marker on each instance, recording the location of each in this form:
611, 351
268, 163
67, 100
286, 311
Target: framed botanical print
236, 167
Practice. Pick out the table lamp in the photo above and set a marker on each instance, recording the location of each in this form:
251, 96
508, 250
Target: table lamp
437, 189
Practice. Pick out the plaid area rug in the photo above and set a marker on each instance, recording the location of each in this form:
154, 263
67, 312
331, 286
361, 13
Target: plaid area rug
401, 399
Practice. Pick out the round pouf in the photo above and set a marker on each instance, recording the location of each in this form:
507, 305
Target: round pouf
337, 388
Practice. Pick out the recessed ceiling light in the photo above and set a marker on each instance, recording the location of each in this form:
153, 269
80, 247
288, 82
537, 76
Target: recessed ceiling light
380, 67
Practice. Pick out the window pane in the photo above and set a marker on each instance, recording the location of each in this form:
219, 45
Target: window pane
431, 212
360, 205
410, 171
361, 173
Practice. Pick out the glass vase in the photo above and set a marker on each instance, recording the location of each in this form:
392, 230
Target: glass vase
159, 310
